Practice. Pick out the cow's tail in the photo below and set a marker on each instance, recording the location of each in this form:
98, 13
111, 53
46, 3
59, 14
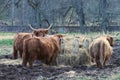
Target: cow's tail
102, 52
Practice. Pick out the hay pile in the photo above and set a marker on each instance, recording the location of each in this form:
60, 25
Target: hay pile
74, 50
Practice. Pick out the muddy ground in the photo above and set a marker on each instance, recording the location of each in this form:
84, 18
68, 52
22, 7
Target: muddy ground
12, 70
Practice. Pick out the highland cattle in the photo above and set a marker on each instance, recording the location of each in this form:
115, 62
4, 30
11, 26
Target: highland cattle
44, 49
20, 37
101, 50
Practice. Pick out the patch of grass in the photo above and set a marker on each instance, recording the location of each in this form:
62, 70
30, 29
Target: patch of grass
6, 50
6, 46
7, 42
6, 34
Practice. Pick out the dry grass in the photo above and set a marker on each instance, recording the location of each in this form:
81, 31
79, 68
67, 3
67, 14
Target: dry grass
73, 52
10, 61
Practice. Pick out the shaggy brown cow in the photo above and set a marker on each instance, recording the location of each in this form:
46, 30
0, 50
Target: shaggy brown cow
18, 43
45, 49
101, 50
20, 37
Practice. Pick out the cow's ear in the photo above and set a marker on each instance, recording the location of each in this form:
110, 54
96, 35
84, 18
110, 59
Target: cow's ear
59, 35
46, 31
110, 40
60, 40
35, 33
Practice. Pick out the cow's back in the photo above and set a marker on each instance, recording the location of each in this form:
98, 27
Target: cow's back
32, 44
19, 38
101, 50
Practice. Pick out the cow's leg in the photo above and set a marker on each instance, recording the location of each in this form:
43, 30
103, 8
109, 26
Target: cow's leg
92, 60
25, 59
31, 63
105, 62
98, 63
31, 60
53, 59
107, 58
15, 54
20, 53
48, 61
92, 57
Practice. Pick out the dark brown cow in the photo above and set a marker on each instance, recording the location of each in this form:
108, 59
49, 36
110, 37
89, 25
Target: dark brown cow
101, 50
20, 37
45, 49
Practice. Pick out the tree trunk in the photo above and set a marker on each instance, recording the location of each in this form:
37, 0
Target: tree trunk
103, 7
13, 10
23, 12
80, 15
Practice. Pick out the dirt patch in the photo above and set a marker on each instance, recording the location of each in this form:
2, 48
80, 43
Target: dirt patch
12, 70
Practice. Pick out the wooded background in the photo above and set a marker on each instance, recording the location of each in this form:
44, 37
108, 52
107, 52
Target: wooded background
62, 13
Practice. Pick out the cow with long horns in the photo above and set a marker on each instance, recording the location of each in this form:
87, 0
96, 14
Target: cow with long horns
45, 49
20, 37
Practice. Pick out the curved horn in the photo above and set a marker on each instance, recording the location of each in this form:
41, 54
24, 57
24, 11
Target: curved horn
116, 35
31, 27
50, 26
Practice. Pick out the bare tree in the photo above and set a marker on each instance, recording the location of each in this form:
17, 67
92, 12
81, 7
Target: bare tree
23, 12
103, 14
80, 15
13, 11
35, 4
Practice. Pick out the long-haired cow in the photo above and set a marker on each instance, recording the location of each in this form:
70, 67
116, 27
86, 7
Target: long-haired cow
101, 50
45, 49
20, 37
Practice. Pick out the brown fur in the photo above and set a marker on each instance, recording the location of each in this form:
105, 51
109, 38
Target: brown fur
18, 43
20, 37
101, 50
45, 49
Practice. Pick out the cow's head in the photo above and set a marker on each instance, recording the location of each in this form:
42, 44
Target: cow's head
59, 36
110, 40
40, 32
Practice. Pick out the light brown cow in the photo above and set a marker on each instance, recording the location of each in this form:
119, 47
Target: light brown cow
45, 49
101, 50
20, 37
